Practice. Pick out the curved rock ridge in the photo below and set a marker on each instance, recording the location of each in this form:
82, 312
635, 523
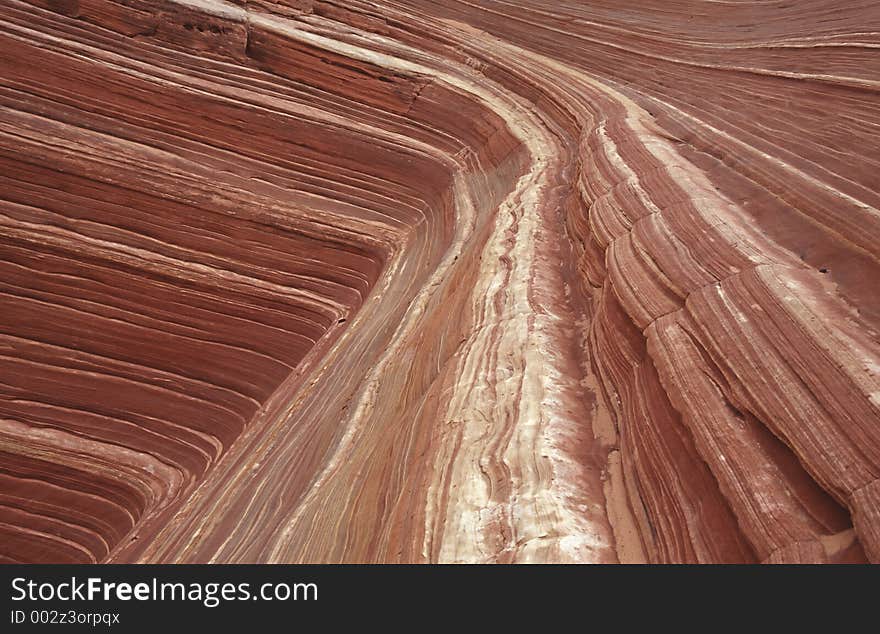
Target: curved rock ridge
486, 281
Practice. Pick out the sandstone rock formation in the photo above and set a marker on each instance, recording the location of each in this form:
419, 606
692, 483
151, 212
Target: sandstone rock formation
417, 281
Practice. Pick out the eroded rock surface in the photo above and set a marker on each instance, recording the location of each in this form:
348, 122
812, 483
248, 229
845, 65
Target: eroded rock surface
439, 281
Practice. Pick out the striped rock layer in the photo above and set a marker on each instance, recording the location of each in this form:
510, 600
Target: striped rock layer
417, 281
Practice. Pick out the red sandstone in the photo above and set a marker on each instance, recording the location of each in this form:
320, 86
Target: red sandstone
439, 281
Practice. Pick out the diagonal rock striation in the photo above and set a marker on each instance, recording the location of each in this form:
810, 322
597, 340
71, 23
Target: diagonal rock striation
406, 281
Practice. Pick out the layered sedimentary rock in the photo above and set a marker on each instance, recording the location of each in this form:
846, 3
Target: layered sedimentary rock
439, 281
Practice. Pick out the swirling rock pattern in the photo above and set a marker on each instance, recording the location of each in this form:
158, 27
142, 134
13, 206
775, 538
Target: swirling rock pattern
412, 281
